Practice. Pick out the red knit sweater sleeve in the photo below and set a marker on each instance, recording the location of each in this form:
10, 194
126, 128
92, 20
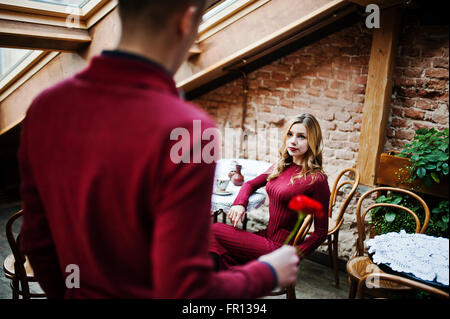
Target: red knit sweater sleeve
321, 193
181, 265
251, 186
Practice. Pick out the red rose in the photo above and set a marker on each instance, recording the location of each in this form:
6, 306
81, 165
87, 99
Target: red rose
306, 205
303, 205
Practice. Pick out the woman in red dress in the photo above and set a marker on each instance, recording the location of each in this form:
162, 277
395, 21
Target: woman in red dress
298, 171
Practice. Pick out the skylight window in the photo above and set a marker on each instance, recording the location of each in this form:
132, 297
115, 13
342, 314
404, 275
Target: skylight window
68, 3
218, 8
223, 13
44, 20
10, 59
54, 8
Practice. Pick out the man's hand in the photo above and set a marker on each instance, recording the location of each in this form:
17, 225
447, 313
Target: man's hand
236, 213
285, 262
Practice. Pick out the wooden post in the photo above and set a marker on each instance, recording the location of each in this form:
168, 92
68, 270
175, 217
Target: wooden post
378, 95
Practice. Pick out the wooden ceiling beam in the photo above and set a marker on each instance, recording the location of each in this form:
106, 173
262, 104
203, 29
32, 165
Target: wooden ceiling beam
29, 35
381, 3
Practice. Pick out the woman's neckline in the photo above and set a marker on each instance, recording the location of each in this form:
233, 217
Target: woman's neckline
295, 164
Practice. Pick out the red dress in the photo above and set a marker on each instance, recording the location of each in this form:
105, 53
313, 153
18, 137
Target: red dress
236, 246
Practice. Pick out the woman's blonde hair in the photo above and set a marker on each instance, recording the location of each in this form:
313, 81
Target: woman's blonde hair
312, 159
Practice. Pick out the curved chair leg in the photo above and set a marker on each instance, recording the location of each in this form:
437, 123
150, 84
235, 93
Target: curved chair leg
224, 216
330, 250
335, 259
291, 292
216, 215
15, 288
353, 288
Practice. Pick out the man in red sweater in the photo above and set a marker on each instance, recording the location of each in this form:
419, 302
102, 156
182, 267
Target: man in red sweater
103, 199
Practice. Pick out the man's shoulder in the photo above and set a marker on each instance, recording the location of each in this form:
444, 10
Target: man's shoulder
54, 94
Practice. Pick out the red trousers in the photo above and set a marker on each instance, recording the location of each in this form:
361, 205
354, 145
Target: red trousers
237, 247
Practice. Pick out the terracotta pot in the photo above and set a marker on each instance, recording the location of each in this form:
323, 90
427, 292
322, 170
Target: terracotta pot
394, 171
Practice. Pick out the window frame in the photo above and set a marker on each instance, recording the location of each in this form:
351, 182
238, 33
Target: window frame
24, 70
14, 65
227, 16
51, 15
54, 14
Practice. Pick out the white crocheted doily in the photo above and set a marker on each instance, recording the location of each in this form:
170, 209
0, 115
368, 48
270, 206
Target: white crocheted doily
423, 256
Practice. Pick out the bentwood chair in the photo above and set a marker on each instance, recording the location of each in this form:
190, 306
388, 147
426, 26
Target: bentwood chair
360, 264
334, 225
216, 213
16, 266
300, 236
369, 278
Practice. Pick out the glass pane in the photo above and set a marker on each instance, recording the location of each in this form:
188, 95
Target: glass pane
10, 59
69, 3
216, 9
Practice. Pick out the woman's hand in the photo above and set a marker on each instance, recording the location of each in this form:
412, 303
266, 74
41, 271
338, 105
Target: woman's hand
236, 213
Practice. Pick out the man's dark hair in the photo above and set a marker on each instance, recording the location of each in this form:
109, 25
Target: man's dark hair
156, 12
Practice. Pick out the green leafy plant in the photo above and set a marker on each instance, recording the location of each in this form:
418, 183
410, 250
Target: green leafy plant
387, 219
442, 215
429, 157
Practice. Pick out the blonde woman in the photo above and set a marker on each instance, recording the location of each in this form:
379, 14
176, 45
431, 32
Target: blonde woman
298, 171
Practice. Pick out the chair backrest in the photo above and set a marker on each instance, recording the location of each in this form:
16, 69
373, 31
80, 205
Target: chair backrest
19, 257
303, 231
335, 190
400, 280
360, 217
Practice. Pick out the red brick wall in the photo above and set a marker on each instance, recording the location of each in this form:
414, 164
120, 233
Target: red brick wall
420, 94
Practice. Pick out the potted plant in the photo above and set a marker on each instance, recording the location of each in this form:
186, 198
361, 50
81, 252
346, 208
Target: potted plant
421, 165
